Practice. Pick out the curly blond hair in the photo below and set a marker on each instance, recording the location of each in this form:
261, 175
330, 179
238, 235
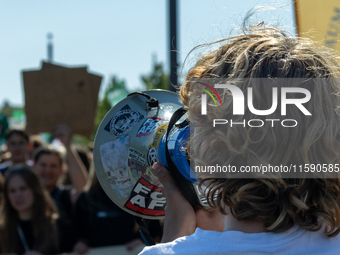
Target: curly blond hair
277, 202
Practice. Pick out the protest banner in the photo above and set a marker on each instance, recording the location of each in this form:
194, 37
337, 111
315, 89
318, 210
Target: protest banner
57, 94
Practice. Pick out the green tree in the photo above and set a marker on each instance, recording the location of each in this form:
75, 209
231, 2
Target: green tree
3, 128
157, 79
115, 92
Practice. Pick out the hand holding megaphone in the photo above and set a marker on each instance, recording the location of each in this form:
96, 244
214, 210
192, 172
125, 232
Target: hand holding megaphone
181, 219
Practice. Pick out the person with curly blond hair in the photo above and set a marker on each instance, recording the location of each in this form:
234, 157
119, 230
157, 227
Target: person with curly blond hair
260, 214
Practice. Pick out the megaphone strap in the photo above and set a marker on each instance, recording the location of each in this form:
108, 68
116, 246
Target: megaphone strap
186, 188
183, 124
152, 102
144, 232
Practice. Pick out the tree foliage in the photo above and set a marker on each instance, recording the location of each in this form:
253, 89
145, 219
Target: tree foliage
157, 78
115, 92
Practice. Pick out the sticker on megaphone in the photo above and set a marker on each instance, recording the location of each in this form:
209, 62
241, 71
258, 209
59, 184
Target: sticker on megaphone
130, 139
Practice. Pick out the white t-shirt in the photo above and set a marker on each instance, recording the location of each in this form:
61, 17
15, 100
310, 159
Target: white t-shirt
293, 241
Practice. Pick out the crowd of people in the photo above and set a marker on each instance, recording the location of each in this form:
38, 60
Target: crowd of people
52, 202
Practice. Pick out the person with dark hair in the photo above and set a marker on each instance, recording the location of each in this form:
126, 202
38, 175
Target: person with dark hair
27, 219
17, 144
98, 219
100, 222
260, 214
49, 165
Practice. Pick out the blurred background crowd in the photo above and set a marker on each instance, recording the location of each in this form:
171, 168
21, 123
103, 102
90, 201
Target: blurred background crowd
52, 201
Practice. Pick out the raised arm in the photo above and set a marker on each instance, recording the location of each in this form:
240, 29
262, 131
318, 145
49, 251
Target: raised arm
77, 170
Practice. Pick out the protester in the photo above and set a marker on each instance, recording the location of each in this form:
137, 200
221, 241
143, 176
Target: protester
49, 166
100, 222
28, 215
17, 145
260, 215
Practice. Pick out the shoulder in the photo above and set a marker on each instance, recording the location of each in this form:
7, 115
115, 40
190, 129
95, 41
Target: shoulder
162, 248
293, 241
184, 245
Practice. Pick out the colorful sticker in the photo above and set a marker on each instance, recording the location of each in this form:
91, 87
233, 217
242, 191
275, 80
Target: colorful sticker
137, 156
124, 121
133, 172
149, 126
114, 156
158, 136
146, 199
138, 167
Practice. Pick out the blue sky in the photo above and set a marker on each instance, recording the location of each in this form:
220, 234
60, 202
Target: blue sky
114, 37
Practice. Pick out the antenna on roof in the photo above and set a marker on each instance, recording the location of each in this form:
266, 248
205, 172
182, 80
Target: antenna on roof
49, 48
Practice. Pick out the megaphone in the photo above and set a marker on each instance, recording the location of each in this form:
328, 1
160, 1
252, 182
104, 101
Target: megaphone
144, 128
